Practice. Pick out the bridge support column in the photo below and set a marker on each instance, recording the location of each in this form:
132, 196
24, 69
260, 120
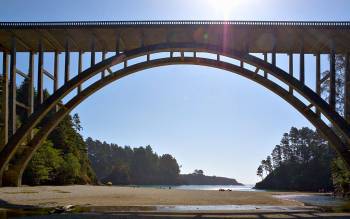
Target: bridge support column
4, 102
12, 97
302, 65
117, 45
40, 75
332, 91
103, 74
12, 177
66, 63
273, 58
55, 74
30, 100
80, 67
92, 58
318, 79
265, 59
13, 90
291, 70
55, 71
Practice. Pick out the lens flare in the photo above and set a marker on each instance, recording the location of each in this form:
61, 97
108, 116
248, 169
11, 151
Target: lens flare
224, 7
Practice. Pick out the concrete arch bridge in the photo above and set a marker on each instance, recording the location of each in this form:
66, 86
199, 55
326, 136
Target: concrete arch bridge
246, 48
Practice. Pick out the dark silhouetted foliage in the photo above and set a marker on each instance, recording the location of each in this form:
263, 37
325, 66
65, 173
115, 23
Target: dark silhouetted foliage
302, 161
126, 165
62, 159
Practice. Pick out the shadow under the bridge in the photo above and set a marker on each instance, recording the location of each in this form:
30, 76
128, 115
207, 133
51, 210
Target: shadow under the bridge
195, 215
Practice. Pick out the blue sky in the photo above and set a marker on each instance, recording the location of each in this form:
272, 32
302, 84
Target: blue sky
207, 118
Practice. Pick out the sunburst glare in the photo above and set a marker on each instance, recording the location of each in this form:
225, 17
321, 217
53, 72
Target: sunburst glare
224, 7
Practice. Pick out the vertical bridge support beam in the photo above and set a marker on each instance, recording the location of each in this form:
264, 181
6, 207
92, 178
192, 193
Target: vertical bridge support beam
4, 102
332, 91
103, 74
30, 100
347, 88
66, 63
55, 71
55, 74
302, 64
40, 75
291, 70
318, 79
273, 58
80, 67
13, 89
265, 59
273, 54
92, 61
117, 45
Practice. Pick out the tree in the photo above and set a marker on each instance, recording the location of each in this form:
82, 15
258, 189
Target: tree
305, 163
44, 166
287, 151
198, 172
70, 170
277, 156
168, 169
76, 122
120, 175
66, 138
340, 177
340, 172
47, 165
339, 81
266, 165
260, 171
126, 165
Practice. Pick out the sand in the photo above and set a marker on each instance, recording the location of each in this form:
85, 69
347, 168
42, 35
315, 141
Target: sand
86, 195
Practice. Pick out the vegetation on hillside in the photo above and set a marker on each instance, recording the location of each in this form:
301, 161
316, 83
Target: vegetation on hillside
126, 165
62, 159
303, 160
142, 166
198, 178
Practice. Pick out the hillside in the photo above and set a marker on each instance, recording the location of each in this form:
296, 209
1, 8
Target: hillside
142, 166
302, 162
200, 179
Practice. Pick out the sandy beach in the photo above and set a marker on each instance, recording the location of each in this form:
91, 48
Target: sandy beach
86, 195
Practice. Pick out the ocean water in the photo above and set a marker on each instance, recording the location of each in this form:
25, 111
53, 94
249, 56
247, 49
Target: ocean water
315, 199
245, 188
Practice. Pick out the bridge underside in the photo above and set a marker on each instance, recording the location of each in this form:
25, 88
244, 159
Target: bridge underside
245, 48
253, 37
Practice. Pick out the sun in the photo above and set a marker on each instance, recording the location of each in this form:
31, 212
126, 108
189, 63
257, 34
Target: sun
224, 7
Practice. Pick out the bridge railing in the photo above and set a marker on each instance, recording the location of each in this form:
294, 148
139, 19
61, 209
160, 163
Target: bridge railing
174, 22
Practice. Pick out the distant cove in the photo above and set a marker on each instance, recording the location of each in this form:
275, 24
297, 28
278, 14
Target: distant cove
240, 188
201, 179
142, 166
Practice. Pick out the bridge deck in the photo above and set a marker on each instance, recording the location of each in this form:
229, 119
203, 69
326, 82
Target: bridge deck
253, 36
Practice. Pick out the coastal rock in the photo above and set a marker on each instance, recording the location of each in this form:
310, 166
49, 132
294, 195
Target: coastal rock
62, 209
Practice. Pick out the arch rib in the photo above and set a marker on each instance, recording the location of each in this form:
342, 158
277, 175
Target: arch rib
52, 101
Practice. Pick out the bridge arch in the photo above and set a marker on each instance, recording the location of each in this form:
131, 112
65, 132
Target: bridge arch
340, 143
